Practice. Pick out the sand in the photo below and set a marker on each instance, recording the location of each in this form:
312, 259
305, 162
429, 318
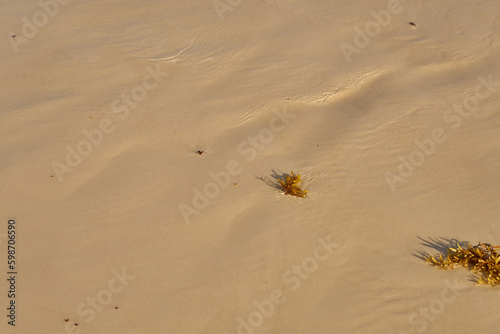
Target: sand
122, 226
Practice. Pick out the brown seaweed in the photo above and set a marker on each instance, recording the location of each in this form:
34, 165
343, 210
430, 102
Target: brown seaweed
290, 185
482, 259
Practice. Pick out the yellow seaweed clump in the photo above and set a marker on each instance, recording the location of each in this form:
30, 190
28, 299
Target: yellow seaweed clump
483, 259
290, 185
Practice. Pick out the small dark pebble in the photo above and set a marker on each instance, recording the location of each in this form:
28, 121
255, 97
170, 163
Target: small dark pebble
412, 24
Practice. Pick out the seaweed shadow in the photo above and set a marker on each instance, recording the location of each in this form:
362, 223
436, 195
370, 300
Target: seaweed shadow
439, 244
271, 181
